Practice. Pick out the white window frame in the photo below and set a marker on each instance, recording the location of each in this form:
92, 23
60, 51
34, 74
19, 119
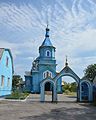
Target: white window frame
46, 74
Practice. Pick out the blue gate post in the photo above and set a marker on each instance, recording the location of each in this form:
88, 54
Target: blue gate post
42, 95
55, 93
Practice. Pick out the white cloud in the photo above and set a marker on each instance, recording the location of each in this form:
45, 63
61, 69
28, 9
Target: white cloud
13, 47
73, 30
77, 49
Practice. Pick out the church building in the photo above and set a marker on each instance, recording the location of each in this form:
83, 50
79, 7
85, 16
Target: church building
44, 66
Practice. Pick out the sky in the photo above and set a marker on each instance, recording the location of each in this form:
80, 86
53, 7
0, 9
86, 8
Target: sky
72, 26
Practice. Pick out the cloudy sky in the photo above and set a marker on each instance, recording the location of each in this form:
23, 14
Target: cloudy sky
72, 26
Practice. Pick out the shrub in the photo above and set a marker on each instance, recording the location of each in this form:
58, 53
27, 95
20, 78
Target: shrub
67, 92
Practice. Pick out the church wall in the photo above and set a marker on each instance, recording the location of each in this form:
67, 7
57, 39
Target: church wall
43, 52
43, 68
48, 62
36, 82
28, 83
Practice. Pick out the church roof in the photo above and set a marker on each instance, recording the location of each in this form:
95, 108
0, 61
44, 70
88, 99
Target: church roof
47, 41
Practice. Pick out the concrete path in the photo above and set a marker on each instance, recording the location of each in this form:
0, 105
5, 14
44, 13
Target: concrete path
48, 98
30, 110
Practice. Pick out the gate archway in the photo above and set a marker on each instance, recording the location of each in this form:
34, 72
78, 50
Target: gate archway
48, 86
43, 86
66, 71
68, 88
86, 90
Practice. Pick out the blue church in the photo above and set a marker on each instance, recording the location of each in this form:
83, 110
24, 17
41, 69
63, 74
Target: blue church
6, 71
44, 66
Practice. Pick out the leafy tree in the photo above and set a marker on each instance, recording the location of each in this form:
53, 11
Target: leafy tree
73, 87
66, 86
69, 86
16, 81
90, 72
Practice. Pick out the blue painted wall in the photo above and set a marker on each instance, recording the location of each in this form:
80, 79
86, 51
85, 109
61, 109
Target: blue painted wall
7, 72
28, 83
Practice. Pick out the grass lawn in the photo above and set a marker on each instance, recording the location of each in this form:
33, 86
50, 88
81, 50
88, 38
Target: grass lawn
17, 95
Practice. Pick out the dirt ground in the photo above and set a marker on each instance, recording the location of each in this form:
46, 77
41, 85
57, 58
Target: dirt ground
32, 109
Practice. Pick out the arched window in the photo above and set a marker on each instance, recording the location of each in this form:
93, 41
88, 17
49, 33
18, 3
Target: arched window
47, 74
48, 53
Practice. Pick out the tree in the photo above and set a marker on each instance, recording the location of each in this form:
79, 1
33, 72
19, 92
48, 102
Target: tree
69, 86
16, 81
73, 87
90, 72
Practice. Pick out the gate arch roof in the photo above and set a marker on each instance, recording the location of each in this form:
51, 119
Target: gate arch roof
86, 81
48, 79
67, 71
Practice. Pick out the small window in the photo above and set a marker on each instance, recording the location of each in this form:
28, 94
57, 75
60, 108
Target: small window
7, 60
2, 80
8, 83
48, 54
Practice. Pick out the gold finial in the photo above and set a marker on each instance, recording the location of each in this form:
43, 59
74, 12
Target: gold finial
66, 63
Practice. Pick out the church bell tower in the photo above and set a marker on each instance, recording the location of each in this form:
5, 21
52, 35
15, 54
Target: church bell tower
47, 50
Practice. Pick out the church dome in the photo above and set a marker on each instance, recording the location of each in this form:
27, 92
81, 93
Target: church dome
47, 41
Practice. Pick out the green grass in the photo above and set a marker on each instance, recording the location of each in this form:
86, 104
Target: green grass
17, 95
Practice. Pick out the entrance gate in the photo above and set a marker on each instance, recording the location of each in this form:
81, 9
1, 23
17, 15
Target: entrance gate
42, 86
67, 71
86, 90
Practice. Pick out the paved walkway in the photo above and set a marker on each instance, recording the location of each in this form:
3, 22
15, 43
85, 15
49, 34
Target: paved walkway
30, 110
48, 98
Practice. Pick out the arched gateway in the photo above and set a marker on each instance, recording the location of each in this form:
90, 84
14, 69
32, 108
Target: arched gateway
42, 86
84, 87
